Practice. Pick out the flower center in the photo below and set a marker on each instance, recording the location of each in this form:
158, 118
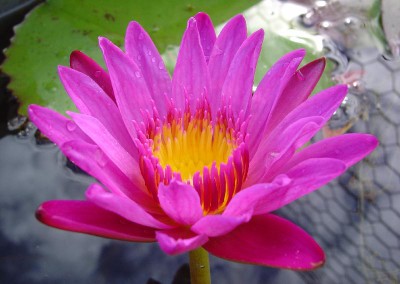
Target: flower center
210, 155
191, 146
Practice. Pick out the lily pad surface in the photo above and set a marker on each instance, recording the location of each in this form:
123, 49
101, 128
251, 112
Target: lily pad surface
57, 27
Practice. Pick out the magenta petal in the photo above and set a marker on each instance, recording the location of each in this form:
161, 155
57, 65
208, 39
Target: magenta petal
108, 144
304, 179
349, 148
191, 79
217, 225
90, 99
83, 63
130, 89
101, 167
297, 90
247, 200
271, 241
56, 127
206, 32
238, 85
141, 49
227, 44
171, 243
323, 104
181, 202
84, 217
267, 94
123, 207
281, 146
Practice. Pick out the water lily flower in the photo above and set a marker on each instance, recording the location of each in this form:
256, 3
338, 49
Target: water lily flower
198, 160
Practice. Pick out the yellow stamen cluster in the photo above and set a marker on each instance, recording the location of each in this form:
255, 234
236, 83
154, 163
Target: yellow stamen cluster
190, 147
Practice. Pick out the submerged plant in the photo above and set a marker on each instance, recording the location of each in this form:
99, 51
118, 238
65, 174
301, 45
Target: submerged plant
198, 162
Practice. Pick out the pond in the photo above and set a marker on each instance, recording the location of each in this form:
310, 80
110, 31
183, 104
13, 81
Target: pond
355, 219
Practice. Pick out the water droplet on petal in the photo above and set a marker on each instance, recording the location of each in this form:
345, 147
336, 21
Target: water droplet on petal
161, 65
100, 158
153, 59
137, 74
139, 57
141, 36
71, 126
300, 75
97, 73
218, 51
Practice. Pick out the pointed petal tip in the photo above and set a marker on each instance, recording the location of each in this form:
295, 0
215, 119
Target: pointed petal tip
200, 15
103, 42
75, 57
31, 109
133, 27
370, 140
239, 18
258, 34
191, 23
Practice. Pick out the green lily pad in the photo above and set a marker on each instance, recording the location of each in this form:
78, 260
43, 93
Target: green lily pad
55, 28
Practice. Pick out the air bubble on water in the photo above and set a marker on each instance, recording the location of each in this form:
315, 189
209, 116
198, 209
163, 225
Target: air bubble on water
16, 123
325, 25
309, 19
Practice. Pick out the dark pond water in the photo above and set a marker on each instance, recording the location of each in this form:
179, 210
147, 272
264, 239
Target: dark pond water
356, 218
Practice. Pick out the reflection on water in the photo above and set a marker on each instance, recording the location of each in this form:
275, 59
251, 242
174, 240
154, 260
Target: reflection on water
355, 219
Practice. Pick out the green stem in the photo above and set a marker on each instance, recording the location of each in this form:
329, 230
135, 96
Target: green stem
199, 267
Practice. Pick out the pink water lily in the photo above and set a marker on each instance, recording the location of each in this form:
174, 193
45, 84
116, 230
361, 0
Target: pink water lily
198, 160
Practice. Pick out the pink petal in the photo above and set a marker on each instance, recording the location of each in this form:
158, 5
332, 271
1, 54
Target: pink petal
323, 104
206, 33
141, 49
238, 85
349, 148
84, 217
246, 201
281, 146
90, 99
130, 89
267, 94
306, 177
56, 127
107, 143
101, 167
83, 63
217, 225
297, 90
175, 241
271, 241
122, 206
227, 44
181, 202
297, 182
191, 79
